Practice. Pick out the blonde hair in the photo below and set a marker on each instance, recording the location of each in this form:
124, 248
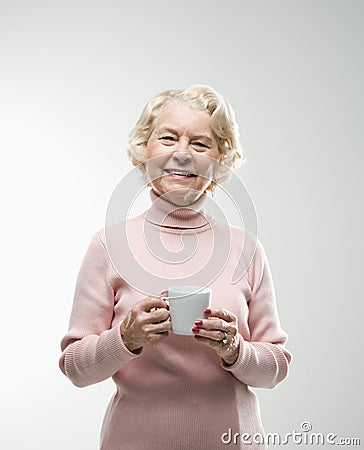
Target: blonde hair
202, 97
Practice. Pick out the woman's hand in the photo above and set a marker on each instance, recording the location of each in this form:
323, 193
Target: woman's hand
219, 330
146, 323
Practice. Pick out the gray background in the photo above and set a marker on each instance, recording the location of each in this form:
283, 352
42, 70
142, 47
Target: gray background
74, 77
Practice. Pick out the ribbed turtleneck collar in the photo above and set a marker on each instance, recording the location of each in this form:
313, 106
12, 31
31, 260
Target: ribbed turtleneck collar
166, 214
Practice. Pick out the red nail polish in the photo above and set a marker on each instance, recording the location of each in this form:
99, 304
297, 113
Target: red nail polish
195, 330
207, 311
198, 322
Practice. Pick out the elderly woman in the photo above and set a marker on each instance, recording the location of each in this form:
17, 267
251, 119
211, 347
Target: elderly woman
174, 391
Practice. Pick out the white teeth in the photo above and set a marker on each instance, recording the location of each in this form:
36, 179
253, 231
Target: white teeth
177, 172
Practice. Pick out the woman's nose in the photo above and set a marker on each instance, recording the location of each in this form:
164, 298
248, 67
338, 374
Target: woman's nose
182, 157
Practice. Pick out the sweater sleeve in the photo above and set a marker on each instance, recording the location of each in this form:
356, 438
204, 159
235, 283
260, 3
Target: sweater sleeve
92, 349
263, 360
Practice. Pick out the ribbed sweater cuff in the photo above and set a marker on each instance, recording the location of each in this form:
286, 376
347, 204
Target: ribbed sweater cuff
117, 347
243, 357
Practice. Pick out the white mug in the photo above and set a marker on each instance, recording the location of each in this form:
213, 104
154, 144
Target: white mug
187, 304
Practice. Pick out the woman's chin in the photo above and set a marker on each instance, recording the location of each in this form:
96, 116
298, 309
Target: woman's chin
179, 195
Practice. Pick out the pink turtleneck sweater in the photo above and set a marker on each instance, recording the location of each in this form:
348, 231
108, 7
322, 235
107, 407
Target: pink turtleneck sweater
176, 394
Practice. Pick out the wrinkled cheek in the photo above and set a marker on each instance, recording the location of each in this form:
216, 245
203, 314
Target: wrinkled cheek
206, 173
157, 183
153, 171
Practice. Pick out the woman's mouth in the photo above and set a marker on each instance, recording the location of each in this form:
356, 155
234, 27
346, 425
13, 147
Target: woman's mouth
178, 173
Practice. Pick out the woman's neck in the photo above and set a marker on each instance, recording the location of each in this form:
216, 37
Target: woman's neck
166, 214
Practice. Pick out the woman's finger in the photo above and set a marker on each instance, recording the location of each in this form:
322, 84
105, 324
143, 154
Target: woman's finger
213, 324
151, 302
221, 313
214, 335
156, 316
154, 328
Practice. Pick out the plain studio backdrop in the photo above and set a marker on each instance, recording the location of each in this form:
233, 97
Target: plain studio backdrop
74, 78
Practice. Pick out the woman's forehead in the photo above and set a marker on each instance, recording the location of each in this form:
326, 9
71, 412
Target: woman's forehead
176, 116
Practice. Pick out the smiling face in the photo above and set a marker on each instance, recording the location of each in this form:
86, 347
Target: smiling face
181, 153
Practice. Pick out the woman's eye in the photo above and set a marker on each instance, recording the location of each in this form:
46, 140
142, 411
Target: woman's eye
200, 144
167, 138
